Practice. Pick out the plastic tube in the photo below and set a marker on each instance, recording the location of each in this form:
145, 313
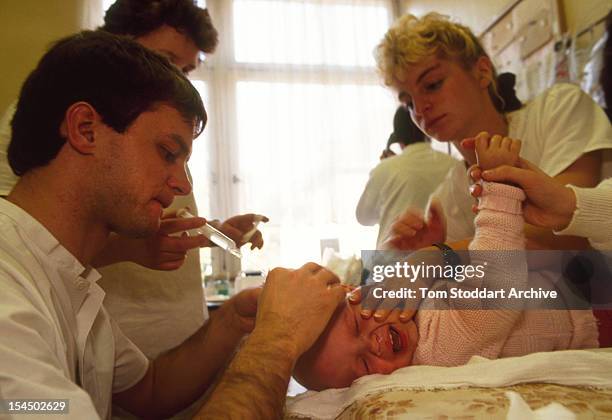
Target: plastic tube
216, 237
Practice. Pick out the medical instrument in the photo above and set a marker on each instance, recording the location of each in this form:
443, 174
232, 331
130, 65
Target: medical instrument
256, 221
216, 237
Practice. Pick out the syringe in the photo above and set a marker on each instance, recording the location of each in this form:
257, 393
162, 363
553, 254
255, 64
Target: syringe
215, 236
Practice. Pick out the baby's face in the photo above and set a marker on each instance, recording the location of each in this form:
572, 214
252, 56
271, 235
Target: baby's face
351, 347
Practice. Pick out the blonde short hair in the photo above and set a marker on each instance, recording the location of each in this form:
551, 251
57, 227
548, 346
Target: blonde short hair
411, 40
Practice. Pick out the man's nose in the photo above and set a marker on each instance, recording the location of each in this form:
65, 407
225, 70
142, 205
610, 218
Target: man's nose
179, 181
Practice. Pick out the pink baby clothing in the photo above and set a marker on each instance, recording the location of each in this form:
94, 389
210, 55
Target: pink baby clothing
450, 337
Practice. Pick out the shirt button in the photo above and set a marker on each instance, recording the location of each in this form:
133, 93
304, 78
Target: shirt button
81, 285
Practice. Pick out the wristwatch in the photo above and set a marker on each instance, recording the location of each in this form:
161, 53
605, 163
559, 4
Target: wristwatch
449, 255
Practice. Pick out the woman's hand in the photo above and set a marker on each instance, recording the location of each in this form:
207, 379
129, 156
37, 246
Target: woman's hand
381, 307
549, 204
237, 226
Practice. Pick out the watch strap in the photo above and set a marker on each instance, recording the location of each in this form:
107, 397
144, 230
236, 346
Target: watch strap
449, 255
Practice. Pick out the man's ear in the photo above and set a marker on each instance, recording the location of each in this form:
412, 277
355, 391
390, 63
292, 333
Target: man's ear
484, 71
79, 128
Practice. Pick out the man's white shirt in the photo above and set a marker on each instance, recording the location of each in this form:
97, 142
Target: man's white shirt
58, 341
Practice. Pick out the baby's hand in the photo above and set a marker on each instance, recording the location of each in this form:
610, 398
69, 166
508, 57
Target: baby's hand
495, 151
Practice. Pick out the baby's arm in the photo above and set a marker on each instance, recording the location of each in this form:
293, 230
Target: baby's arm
500, 223
473, 326
482, 326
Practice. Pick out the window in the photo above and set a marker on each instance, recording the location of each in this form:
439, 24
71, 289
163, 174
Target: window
311, 33
297, 119
106, 4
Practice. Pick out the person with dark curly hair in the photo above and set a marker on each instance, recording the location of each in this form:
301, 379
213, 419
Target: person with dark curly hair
176, 28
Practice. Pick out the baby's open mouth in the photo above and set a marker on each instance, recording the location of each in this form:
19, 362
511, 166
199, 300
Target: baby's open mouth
396, 339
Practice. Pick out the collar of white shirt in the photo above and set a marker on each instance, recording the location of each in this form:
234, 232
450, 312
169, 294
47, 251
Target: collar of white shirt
77, 279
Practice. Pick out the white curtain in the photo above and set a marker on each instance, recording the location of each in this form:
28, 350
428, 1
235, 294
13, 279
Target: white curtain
92, 12
297, 119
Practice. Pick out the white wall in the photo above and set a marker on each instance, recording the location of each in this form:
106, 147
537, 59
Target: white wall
579, 14
477, 14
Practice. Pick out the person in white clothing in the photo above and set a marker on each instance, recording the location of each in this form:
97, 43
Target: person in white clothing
164, 274
114, 129
555, 128
567, 209
453, 93
402, 181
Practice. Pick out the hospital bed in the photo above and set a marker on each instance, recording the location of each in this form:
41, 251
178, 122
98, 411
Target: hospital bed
573, 384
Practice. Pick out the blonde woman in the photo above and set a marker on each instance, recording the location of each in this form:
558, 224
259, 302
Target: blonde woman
450, 85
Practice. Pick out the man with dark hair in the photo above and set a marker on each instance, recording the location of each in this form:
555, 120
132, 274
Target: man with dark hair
173, 298
119, 99
402, 181
101, 137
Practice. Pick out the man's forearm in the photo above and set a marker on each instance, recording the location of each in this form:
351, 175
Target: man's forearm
199, 359
255, 384
180, 376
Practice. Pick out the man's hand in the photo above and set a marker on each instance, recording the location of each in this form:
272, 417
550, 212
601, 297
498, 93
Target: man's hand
158, 252
294, 308
242, 309
235, 227
411, 231
296, 305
